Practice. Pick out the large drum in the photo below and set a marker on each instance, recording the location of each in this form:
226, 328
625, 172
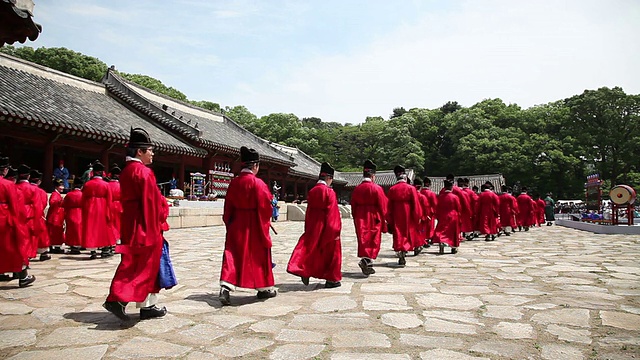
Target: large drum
623, 195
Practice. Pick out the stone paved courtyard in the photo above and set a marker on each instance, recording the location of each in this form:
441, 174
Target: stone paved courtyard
550, 293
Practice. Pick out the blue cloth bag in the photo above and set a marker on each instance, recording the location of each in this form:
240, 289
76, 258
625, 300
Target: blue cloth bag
166, 276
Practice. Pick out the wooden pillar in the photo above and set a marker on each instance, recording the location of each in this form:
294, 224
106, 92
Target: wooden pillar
181, 172
47, 167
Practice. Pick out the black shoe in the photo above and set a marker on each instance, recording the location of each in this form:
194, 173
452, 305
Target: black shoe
332, 284
56, 250
441, 248
426, 245
305, 280
93, 256
26, 281
486, 238
526, 228
224, 296
266, 294
493, 238
45, 256
152, 312
118, 309
363, 266
5, 278
75, 251
549, 223
454, 250
105, 254
507, 234
402, 261
417, 251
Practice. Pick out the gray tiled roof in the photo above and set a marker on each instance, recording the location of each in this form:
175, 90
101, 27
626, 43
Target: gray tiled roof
209, 129
306, 166
497, 180
384, 178
41, 97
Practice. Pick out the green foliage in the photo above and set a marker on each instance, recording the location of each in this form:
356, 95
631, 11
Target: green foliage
155, 85
61, 59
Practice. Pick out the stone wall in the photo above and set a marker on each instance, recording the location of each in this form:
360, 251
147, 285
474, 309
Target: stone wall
188, 217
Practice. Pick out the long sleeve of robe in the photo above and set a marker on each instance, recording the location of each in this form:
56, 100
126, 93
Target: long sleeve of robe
246, 260
12, 251
72, 204
368, 207
41, 235
96, 214
55, 219
447, 213
27, 197
318, 253
431, 212
141, 229
116, 208
403, 216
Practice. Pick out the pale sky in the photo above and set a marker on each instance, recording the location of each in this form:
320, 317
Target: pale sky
344, 60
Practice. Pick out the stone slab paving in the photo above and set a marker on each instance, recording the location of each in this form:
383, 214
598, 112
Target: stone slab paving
550, 293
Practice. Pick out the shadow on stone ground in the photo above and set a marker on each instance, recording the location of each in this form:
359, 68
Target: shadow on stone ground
102, 320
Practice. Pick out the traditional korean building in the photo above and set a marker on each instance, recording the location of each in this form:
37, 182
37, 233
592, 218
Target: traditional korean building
16, 22
47, 116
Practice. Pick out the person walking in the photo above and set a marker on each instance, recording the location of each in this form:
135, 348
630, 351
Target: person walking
403, 215
55, 218
368, 207
72, 205
144, 215
318, 253
448, 216
97, 232
246, 261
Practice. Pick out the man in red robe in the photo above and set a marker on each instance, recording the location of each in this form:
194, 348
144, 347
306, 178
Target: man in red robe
72, 205
465, 206
488, 208
525, 205
508, 210
318, 253
403, 215
448, 215
432, 199
422, 225
26, 195
96, 214
40, 236
540, 205
368, 207
116, 205
246, 261
473, 199
144, 215
13, 256
55, 218
467, 211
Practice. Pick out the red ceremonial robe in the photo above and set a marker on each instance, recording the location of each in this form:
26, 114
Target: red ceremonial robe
116, 209
403, 216
55, 219
12, 248
318, 253
534, 214
473, 200
246, 261
96, 214
26, 193
525, 205
368, 207
466, 212
432, 198
143, 215
447, 213
488, 208
72, 205
422, 225
540, 210
41, 236
508, 210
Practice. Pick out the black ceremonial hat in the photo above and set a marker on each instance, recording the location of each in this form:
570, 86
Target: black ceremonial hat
326, 169
369, 166
57, 182
248, 156
35, 174
139, 138
399, 169
115, 170
4, 162
417, 181
97, 166
23, 169
12, 173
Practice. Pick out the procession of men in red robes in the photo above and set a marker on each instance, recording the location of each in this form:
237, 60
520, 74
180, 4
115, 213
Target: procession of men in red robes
131, 209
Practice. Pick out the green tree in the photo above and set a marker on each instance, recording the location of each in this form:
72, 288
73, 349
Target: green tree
155, 85
207, 105
607, 125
